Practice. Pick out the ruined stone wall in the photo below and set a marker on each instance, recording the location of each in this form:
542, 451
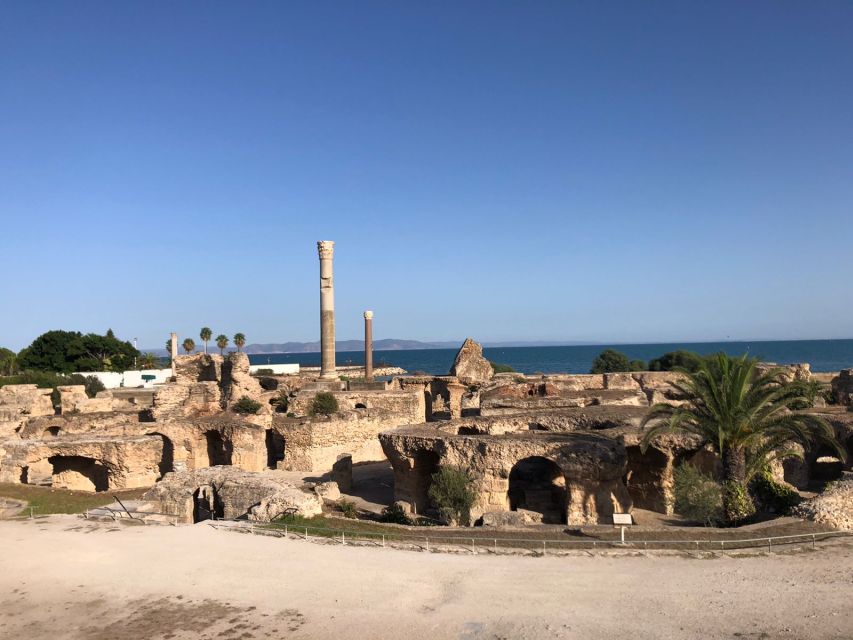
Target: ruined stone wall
405, 405
126, 462
313, 444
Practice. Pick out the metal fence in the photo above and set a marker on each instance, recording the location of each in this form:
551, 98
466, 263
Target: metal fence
531, 546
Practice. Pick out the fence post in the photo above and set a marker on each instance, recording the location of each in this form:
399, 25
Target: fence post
543, 547
306, 534
285, 531
472, 546
770, 544
383, 540
496, 545
343, 537
814, 541
427, 541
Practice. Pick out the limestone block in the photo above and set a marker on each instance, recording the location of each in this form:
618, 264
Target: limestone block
470, 366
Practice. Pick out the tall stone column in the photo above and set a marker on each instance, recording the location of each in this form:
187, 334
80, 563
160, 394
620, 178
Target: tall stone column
326, 248
368, 346
174, 351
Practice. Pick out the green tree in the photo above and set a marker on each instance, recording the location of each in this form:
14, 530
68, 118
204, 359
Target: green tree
239, 341
452, 495
222, 343
673, 360
610, 361
188, 345
745, 416
70, 351
205, 334
8, 362
501, 368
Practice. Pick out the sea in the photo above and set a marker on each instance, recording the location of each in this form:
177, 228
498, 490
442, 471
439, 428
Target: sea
822, 355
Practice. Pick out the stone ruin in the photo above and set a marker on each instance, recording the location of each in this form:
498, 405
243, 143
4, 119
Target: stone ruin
552, 449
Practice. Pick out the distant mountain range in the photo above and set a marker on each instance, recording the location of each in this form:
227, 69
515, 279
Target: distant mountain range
386, 344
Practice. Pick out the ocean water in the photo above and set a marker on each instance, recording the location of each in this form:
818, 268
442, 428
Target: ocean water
822, 355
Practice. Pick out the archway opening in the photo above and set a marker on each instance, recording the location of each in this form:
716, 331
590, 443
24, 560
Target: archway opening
360, 405
646, 478
424, 465
848, 445
51, 432
275, 448
78, 473
207, 505
825, 465
537, 484
167, 456
219, 449
25, 475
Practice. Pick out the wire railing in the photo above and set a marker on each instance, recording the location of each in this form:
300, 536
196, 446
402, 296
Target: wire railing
535, 546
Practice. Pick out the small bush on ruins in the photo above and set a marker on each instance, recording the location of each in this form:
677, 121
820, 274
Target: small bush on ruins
281, 402
323, 404
451, 493
812, 392
395, 514
697, 495
247, 405
612, 361
501, 368
348, 508
264, 372
771, 495
70, 351
93, 384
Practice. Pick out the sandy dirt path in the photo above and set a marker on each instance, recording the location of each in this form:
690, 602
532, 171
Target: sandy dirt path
61, 577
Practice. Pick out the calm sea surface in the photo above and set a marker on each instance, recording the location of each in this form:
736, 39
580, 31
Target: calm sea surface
823, 355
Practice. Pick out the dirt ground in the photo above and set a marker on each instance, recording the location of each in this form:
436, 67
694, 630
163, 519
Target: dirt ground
63, 577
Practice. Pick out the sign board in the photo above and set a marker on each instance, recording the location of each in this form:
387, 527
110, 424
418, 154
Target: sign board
623, 519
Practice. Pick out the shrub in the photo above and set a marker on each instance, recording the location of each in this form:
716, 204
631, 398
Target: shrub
323, 404
396, 514
247, 405
773, 496
264, 372
281, 402
93, 384
676, 359
452, 495
697, 495
637, 365
812, 391
501, 368
348, 508
610, 361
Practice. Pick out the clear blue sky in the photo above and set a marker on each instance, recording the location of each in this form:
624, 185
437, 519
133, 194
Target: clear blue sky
637, 171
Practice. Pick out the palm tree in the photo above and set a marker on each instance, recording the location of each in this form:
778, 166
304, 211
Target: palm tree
149, 361
189, 345
747, 418
239, 341
205, 335
221, 342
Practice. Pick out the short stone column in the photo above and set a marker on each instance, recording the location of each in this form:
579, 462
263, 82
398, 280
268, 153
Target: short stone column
368, 346
455, 391
326, 249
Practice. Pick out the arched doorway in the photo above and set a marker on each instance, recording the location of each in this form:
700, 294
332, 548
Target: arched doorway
275, 448
167, 456
424, 465
646, 477
207, 504
219, 449
537, 484
79, 473
51, 432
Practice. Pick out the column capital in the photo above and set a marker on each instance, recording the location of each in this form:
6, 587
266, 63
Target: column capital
368, 315
326, 248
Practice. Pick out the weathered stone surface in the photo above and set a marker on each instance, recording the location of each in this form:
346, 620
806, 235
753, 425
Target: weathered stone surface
518, 518
237, 382
227, 492
833, 507
586, 468
328, 491
470, 366
842, 387
342, 472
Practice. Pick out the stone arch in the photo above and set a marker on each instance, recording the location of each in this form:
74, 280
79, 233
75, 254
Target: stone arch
219, 448
647, 478
276, 444
167, 456
824, 464
360, 405
25, 475
79, 473
424, 465
207, 504
537, 484
51, 432
848, 445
